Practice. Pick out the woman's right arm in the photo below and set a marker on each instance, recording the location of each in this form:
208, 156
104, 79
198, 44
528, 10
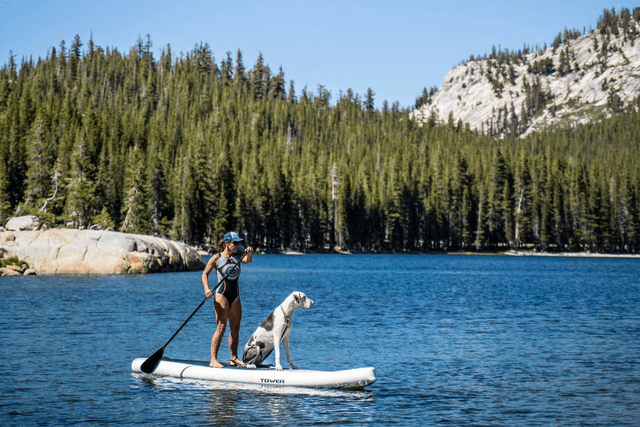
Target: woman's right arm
211, 265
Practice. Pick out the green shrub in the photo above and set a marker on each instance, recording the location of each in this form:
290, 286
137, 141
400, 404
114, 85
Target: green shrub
13, 261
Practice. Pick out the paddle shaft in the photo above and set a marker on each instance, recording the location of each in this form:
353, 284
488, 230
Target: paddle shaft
152, 361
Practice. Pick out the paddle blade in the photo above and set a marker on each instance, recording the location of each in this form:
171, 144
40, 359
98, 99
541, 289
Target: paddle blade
150, 365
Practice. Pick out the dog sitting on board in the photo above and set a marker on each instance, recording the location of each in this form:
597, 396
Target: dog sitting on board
275, 329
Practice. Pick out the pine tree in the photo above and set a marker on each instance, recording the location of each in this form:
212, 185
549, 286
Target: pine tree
259, 79
239, 76
80, 204
103, 219
40, 162
135, 204
369, 101
522, 201
5, 200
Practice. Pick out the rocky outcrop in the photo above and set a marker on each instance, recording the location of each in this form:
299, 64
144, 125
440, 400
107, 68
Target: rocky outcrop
4, 271
27, 222
577, 81
79, 252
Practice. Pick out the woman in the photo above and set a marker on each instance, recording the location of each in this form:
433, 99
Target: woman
227, 297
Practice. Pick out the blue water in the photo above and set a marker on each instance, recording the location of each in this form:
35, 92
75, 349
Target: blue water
455, 340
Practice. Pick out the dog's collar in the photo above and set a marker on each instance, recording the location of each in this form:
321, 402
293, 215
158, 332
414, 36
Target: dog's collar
286, 317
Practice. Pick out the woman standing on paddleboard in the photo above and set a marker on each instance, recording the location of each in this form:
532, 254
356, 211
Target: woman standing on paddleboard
227, 296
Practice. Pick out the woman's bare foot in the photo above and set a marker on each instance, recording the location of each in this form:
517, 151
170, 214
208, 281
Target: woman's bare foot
237, 362
216, 364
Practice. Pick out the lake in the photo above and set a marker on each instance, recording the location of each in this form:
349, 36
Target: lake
455, 340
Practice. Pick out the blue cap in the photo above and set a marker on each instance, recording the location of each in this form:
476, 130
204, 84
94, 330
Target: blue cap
232, 235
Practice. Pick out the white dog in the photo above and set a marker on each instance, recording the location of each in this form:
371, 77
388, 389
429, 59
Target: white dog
275, 329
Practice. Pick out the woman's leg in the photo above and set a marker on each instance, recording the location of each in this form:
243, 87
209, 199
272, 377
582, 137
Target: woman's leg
222, 313
235, 316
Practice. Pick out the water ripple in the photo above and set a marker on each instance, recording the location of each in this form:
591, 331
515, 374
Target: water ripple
455, 341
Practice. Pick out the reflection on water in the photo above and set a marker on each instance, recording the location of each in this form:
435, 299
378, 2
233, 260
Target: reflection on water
225, 403
221, 407
172, 383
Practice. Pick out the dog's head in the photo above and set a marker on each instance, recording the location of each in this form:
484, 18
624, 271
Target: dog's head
300, 300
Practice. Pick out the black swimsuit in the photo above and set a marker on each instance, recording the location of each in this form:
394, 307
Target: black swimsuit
229, 288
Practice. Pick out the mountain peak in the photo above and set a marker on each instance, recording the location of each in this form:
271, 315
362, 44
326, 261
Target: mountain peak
578, 79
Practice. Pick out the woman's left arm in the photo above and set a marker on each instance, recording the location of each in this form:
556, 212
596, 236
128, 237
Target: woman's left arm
248, 258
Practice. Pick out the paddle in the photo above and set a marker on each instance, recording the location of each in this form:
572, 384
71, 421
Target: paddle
150, 365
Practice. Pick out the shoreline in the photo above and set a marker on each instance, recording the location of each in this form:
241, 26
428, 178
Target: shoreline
526, 253
571, 254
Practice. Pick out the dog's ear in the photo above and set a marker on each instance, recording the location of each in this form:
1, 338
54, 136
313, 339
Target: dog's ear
296, 298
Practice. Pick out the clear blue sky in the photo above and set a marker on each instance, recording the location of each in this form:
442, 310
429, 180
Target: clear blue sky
393, 47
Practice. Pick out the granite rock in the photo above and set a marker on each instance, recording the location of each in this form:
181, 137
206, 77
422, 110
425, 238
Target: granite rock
581, 95
26, 222
81, 252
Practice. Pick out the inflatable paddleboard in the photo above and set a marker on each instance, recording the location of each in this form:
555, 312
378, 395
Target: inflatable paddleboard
346, 379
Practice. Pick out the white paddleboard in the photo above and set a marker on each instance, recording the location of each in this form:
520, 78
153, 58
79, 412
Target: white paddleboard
346, 379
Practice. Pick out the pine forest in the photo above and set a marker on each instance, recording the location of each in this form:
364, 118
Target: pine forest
187, 147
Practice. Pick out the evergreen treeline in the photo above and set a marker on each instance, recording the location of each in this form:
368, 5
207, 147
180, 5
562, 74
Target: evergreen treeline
187, 147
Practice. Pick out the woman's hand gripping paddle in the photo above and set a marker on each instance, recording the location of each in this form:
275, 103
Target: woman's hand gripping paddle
150, 365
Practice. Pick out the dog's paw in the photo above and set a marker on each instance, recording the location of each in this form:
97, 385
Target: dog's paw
279, 368
294, 367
